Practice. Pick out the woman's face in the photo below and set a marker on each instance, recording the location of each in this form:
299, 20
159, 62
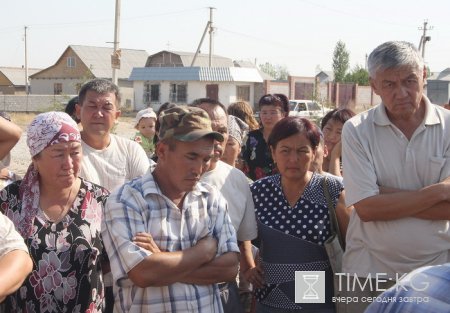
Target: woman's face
332, 133
231, 152
59, 164
293, 156
270, 115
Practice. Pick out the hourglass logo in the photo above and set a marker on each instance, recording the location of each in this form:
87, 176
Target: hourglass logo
310, 287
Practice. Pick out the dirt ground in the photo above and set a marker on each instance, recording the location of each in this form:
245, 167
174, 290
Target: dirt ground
20, 155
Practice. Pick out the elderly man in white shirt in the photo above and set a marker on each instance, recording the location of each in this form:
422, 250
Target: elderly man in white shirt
396, 169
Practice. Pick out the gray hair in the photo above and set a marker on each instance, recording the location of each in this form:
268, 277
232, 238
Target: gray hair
393, 54
100, 86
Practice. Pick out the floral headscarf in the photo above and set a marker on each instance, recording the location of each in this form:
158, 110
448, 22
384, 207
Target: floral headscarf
44, 131
237, 128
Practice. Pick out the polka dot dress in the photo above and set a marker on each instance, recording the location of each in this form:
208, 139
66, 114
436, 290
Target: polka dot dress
307, 220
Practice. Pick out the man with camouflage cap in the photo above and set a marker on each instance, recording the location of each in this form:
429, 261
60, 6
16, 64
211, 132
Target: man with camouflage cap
168, 236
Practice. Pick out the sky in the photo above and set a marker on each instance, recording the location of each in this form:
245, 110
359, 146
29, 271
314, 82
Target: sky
298, 34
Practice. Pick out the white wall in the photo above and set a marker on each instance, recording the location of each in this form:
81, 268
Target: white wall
195, 90
46, 86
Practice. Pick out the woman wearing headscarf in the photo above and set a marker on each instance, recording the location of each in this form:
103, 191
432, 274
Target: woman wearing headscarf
59, 216
237, 130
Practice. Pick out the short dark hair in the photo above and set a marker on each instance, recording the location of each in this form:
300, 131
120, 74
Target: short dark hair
101, 86
276, 99
293, 125
339, 115
70, 109
198, 102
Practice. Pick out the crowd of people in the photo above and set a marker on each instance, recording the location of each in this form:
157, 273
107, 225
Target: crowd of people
206, 209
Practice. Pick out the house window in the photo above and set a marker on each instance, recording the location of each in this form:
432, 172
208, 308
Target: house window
178, 93
243, 93
57, 88
70, 62
151, 93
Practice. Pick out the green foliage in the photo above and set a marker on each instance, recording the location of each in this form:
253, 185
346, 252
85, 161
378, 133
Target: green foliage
340, 62
358, 75
429, 73
278, 72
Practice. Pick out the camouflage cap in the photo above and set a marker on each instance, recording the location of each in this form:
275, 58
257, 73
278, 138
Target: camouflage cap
186, 124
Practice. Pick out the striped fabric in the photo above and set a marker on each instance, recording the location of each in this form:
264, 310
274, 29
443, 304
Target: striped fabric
139, 206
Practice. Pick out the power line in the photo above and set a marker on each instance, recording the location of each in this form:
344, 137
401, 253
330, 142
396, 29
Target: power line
98, 22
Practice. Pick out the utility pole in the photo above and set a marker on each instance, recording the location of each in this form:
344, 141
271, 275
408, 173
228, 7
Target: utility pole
424, 37
211, 30
115, 57
27, 88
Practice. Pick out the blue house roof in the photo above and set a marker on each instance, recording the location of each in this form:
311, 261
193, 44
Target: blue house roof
208, 74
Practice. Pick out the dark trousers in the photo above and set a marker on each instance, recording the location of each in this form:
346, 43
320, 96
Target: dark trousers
229, 294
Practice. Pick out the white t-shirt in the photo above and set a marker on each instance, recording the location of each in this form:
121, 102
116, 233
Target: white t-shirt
111, 167
234, 186
10, 239
376, 153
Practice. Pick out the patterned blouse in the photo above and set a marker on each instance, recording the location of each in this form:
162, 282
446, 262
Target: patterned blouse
67, 255
258, 162
308, 220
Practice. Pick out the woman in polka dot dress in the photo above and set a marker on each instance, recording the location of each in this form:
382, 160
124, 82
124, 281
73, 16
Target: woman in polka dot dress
293, 220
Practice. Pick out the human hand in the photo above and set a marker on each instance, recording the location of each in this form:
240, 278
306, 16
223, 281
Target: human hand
337, 150
145, 241
208, 247
255, 276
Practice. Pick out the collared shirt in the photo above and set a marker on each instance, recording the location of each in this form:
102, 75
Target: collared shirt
376, 153
139, 206
423, 290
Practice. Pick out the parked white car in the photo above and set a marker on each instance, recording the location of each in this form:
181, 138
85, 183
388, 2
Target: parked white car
306, 108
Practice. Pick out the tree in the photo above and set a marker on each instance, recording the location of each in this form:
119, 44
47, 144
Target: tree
358, 75
340, 62
278, 72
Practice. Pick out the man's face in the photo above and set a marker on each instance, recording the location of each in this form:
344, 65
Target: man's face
401, 90
98, 112
185, 162
219, 123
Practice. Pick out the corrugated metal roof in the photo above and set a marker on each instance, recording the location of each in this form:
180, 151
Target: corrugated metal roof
444, 75
217, 74
165, 73
212, 74
202, 59
98, 59
16, 75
